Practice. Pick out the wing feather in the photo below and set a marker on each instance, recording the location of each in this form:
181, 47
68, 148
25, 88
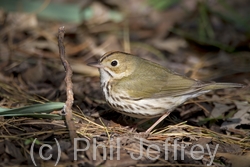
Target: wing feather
150, 80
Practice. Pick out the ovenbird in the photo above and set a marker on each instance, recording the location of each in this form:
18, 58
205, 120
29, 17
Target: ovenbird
140, 88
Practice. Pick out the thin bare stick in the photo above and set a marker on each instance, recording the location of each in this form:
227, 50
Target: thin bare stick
69, 85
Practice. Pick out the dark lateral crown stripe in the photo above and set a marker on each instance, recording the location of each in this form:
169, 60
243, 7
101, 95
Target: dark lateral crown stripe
110, 53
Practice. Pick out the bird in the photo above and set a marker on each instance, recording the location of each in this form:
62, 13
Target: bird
143, 89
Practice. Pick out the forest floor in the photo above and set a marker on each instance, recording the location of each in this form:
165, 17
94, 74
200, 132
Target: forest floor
205, 40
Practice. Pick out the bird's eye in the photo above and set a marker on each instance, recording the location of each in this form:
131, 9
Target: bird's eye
114, 63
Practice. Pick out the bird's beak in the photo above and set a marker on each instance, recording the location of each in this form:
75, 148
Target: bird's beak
95, 64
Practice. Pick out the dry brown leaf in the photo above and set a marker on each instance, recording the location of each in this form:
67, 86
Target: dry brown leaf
237, 160
220, 109
242, 116
12, 150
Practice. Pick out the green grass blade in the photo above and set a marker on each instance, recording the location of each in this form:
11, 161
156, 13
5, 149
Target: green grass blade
33, 109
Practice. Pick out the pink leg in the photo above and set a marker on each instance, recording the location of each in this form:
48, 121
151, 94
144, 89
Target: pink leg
134, 127
157, 122
142, 121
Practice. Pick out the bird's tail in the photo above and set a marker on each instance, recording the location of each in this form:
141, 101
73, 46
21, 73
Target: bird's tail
214, 86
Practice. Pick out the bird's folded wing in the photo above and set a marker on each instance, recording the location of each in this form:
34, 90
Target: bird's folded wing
152, 86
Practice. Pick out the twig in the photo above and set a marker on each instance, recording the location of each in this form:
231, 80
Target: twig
70, 99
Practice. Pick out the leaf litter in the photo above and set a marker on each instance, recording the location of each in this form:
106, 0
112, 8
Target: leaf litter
217, 122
